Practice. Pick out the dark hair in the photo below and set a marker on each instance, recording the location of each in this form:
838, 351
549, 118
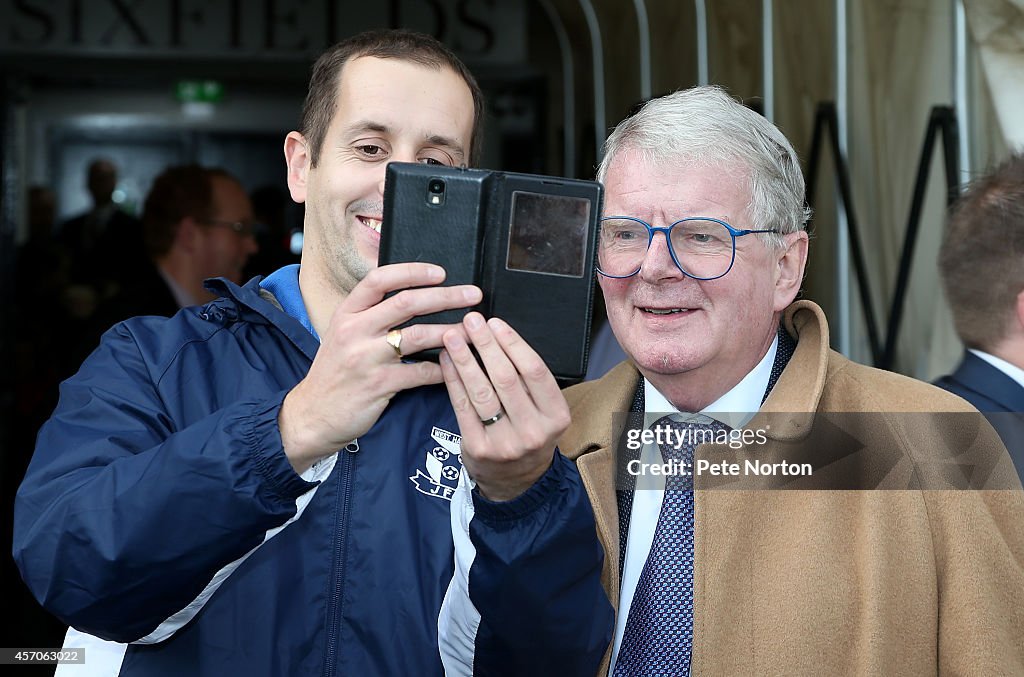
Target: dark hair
178, 193
321, 101
982, 255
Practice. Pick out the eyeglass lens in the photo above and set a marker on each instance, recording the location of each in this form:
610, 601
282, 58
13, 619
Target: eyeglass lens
243, 229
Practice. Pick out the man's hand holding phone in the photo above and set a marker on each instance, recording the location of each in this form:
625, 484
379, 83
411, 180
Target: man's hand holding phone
510, 410
358, 369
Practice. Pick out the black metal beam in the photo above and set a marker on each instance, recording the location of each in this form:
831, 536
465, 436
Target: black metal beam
826, 121
941, 121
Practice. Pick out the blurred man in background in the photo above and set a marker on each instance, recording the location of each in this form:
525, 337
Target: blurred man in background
105, 243
982, 267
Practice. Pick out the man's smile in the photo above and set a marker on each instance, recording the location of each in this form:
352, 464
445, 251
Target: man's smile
666, 311
370, 222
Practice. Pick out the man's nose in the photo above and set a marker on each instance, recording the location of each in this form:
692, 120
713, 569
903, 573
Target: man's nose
250, 245
658, 263
398, 155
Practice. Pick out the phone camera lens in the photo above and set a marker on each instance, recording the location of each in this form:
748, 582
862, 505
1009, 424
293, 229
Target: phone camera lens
436, 186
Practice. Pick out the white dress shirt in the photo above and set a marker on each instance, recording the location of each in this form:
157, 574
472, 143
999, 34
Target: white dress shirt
181, 296
1011, 370
735, 409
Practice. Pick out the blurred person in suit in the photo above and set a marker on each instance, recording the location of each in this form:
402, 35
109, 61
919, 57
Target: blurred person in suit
981, 263
198, 224
105, 243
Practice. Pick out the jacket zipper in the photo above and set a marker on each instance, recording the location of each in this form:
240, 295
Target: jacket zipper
338, 581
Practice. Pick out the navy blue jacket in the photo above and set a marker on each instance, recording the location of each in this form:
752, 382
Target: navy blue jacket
994, 394
153, 508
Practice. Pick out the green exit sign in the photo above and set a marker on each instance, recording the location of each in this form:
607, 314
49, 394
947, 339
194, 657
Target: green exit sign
199, 91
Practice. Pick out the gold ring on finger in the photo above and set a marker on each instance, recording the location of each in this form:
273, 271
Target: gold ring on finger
394, 339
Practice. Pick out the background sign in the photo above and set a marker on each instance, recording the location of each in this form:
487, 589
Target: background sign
480, 31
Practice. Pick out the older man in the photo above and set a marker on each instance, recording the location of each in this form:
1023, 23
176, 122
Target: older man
701, 256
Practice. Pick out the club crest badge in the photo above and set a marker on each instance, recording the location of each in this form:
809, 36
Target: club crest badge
442, 466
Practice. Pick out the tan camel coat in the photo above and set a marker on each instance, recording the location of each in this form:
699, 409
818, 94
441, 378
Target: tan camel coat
823, 582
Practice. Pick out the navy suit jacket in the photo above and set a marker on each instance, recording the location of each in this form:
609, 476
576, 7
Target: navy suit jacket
997, 396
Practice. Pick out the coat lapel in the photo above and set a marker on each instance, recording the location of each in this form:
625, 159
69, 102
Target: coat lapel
589, 442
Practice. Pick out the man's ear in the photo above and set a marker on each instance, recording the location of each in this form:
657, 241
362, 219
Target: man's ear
1019, 313
791, 263
187, 234
297, 157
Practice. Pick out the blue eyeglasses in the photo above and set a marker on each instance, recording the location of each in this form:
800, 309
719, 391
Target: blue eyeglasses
702, 247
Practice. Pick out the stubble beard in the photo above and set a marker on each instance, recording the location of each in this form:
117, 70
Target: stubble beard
351, 267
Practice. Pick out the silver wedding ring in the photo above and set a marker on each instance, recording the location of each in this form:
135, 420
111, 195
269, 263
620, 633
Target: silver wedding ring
493, 419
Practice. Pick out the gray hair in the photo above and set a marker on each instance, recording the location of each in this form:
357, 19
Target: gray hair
706, 126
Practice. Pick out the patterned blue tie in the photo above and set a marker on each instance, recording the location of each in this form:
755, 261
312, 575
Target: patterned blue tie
659, 629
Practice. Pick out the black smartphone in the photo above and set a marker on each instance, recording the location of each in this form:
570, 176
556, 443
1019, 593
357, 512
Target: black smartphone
527, 240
